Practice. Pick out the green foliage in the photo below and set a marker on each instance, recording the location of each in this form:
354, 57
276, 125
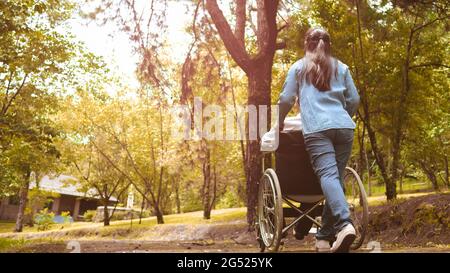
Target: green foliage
122, 215
229, 200
398, 55
118, 215
145, 214
66, 217
44, 220
38, 199
40, 64
191, 201
89, 215
34, 62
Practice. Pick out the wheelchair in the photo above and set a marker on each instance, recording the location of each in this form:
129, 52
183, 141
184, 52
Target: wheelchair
291, 190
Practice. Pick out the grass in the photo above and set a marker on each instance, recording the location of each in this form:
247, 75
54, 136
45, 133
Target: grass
13, 245
119, 227
381, 200
8, 244
8, 226
409, 186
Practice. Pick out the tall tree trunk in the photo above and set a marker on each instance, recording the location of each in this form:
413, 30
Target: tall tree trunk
206, 190
447, 182
378, 154
361, 158
366, 116
106, 217
142, 210
158, 214
431, 174
369, 168
35, 208
401, 117
23, 197
259, 73
259, 85
391, 190
364, 160
177, 197
214, 191
402, 174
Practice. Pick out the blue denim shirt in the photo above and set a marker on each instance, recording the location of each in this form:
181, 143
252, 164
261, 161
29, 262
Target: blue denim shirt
321, 111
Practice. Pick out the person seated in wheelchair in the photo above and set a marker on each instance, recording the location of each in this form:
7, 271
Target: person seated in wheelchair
328, 100
294, 178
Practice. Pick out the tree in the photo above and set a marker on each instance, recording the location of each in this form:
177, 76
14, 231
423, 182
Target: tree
95, 173
257, 67
31, 57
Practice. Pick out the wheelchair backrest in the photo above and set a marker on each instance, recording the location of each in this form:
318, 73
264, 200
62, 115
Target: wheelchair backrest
293, 166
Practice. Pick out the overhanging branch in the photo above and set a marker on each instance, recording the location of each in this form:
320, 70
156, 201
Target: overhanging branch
232, 44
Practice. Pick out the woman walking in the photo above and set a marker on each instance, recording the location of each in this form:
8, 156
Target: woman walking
328, 99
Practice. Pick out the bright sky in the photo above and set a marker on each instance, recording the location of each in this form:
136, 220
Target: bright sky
117, 49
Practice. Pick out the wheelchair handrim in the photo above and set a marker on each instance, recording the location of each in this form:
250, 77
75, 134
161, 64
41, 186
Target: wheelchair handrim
361, 222
270, 211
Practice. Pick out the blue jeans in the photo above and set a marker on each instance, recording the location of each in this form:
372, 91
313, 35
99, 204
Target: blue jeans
329, 152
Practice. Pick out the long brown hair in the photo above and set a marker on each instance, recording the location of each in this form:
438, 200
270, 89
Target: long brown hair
318, 63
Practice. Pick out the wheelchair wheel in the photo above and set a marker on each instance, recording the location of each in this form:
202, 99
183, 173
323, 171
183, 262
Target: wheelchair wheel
270, 212
357, 201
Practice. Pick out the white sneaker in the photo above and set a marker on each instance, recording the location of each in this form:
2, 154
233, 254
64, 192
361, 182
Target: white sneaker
322, 246
344, 239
